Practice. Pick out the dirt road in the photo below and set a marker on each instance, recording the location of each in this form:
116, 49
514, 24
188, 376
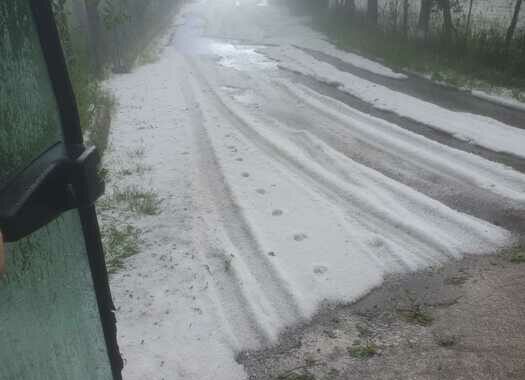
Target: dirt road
291, 174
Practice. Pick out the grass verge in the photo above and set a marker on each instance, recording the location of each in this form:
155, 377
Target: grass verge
363, 351
482, 62
518, 257
144, 202
120, 241
416, 315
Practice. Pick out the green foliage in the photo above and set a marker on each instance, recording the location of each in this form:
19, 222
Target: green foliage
363, 351
119, 242
99, 113
118, 31
481, 56
518, 257
29, 120
115, 13
126, 29
94, 105
146, 202
129, 26
417, 315
297, 375
61, 18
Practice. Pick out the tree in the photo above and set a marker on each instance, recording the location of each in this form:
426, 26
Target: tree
405, 18
371, 12
513, 23
469, 18
350, 7
448, 26
423, 25
94, 33
61, 19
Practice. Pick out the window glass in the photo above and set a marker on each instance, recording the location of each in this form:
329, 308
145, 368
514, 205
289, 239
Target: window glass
49, 321
29, 120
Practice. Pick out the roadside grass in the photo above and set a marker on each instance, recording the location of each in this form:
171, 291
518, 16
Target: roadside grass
149, 55
95, 105
228, 262
481, 63
363, 351
297, 376
125, 172
363, 330
101, 111
138, 168
144, 202
301, 372
121, 43
518, 257
416, 314
120, 241
447, 340
137, 153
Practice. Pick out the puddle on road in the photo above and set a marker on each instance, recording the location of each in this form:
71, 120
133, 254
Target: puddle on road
241, 95
241, 57
189, 39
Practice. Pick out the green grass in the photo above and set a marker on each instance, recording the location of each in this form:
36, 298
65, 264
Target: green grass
95, 105
447, 340
363, 351
121, 239
137, 153
417, 315
102, 107
145, 202
137, 168
149, 55
363, 330
119, 242
297, 376
518, 257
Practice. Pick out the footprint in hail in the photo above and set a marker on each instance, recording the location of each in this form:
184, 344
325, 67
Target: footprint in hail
320, 269
300, 237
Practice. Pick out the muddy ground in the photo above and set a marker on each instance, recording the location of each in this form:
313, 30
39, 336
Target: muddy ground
465, 320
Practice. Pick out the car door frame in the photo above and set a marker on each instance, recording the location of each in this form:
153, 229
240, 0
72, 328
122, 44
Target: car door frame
58, 75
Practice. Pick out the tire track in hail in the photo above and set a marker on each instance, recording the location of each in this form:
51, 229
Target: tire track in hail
417, 127
406, 146
439, 171
236, 310
339, 195
282, 307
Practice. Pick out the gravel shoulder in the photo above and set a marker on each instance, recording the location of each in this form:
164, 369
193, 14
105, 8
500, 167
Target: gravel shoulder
460, 321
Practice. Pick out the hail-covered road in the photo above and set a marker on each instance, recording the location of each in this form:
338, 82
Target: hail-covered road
291, 173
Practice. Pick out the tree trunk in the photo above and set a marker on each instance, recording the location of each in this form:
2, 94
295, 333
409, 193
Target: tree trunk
448, 27
424, 19
350, 7
469, 18
94, 34
371, 12
513, 23
405, 19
